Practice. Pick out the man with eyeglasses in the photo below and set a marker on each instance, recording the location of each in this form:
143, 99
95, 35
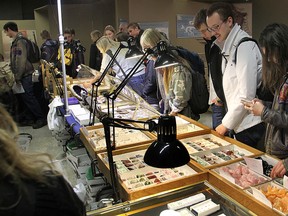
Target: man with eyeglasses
239, 80
214, 59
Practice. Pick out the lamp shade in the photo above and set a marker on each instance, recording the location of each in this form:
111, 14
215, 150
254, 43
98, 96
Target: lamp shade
133, 51
167, 151
164, 59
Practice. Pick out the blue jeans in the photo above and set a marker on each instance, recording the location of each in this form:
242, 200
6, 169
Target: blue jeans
252, 136
137, 83
29, 98
218, 113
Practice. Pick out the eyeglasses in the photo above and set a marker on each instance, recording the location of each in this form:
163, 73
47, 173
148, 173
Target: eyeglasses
215, 28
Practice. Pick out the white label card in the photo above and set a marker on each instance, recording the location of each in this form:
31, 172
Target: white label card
285, 181
258, 195
254, 164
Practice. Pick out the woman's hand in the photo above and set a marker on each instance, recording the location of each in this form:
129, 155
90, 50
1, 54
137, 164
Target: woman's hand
255, 106
278, 170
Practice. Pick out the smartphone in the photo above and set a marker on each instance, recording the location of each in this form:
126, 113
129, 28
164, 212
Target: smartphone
246, 101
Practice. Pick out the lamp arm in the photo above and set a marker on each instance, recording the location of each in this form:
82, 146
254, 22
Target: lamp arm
107, 122
115, 93
112, 168
148, 125
98, 82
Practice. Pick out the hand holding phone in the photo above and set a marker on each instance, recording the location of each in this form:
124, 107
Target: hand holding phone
246, 102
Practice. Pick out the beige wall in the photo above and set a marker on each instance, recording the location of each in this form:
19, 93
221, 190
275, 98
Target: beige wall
87, 17
266, 12
82, 17
155, 11
22, 25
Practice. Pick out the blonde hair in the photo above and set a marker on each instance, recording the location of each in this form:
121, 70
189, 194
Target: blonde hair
95, 35
111, 29
14, 163
105, 43
150, 38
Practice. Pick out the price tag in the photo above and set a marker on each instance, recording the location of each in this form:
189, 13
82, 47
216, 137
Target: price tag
254, 164
285, 181
261, 197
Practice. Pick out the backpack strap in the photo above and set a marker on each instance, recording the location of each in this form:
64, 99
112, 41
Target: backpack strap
242, 41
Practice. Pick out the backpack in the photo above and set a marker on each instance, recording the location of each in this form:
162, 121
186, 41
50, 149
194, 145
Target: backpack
194, 60
199, 94
261, 92
6, 77
33, 53
49, 50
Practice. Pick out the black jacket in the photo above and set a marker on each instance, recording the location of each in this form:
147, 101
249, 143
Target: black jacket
57, 198
49, 50
150, 85
214, 61
95, 57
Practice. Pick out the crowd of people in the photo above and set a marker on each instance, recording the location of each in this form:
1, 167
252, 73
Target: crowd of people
236, 72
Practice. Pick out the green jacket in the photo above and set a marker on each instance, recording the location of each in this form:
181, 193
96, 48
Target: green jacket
20, 65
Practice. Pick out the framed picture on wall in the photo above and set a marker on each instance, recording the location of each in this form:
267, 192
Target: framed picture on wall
185, 27
160, 26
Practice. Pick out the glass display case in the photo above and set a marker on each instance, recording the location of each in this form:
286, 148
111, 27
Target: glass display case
158, 203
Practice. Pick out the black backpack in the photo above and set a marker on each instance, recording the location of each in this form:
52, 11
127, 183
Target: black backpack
33, 52
49, 51
199, 94
261, 92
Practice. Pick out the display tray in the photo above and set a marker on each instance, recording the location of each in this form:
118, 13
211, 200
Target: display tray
133, 111
268, 162
273, 195
239, 194
94, 139
137, 179
211, 150
158, 203
241, 175
187, 127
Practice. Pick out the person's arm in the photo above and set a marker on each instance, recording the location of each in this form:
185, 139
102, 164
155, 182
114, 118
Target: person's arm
246, 75
275, 117
180, 90
20, 52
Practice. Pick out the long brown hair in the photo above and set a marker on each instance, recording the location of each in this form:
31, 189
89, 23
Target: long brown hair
274, 42
15, 164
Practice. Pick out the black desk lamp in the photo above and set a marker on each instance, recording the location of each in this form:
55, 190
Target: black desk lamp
133, 51
166, 152
165, 58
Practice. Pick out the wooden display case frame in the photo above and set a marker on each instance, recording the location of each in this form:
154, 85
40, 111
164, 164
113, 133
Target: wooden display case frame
240, 195
132, 195
93, 152
255, 152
